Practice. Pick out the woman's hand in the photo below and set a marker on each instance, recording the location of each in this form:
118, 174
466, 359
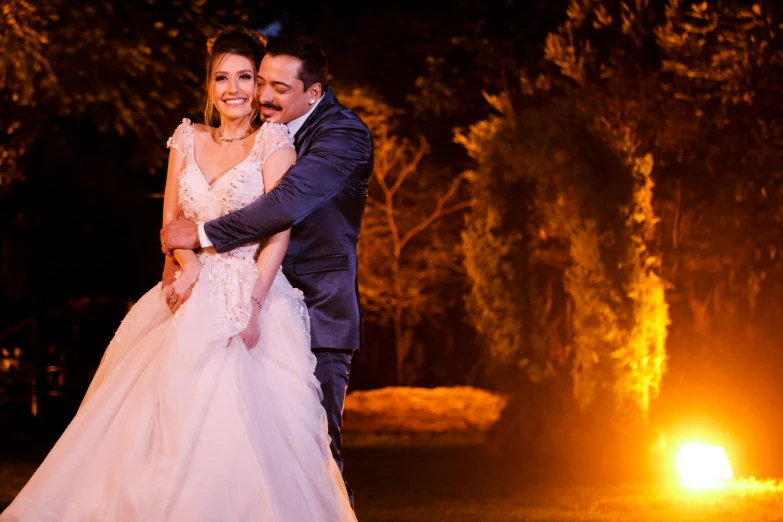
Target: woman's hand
170, 269
179, 291
252, 331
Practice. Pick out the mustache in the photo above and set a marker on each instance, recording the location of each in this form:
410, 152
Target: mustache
271, 106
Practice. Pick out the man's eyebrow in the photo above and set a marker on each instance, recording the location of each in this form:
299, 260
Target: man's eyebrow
283, 84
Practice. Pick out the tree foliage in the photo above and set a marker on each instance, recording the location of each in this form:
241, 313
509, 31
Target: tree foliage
587, 223
680, 97
130, 69
702, 78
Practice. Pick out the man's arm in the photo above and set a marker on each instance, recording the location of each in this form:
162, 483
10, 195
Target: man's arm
340, 154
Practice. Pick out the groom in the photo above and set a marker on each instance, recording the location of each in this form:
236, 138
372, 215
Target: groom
322, 197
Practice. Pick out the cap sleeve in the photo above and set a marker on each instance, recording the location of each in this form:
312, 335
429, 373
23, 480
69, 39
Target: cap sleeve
274, 137
181, 140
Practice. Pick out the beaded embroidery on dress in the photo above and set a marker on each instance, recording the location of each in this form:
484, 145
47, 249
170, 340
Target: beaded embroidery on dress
184, 423
236, 188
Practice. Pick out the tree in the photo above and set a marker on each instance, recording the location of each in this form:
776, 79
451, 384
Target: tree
24, 70
556, 200
130, 70
697, 83
404, 255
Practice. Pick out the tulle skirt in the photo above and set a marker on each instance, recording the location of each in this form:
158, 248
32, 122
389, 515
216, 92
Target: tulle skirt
183, 422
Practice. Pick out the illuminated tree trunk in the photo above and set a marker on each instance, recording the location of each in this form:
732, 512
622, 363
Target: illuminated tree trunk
400, 347
395, 284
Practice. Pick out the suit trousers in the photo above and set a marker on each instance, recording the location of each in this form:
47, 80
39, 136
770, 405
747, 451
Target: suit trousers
332, 370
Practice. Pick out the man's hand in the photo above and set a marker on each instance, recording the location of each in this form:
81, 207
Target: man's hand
180, 233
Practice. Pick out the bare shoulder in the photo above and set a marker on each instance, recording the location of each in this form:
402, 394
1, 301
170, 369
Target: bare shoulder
201, 129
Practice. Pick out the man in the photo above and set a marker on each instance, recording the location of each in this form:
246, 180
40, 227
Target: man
322, 197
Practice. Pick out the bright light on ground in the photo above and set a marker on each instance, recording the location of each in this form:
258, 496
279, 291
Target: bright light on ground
701, 466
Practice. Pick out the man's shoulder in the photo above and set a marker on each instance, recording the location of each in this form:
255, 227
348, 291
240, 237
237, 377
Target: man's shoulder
345, 112
341, 116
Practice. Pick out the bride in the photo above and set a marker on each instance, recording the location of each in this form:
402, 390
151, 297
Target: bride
205, 406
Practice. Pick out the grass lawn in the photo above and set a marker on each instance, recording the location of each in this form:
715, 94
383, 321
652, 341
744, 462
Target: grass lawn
13, 475
460, 485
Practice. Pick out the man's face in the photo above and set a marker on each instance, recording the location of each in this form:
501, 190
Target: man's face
281, 94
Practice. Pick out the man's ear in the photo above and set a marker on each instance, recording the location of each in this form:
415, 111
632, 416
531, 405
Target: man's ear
315, 91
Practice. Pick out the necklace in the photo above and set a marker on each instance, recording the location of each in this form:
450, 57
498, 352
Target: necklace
234, 138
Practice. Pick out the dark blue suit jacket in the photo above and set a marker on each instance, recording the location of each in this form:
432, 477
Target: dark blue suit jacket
322, 197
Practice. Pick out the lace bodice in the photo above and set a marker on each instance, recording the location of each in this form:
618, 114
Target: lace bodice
230, 275
239, 186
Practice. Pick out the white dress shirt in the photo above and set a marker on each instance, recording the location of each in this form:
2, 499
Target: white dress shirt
293, 128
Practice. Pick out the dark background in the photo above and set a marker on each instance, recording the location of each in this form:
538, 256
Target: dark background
80, 212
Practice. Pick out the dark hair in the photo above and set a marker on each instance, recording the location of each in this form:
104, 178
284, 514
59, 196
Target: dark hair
314, 66
236, 40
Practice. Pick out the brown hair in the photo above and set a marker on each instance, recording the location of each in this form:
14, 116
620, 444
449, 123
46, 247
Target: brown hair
232, 40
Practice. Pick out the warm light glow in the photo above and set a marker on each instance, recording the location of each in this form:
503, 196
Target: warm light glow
701, 466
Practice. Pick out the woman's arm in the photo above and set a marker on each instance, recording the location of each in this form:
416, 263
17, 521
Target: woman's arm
177, 292
271, 256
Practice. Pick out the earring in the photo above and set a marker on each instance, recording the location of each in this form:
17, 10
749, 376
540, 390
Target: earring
312, 102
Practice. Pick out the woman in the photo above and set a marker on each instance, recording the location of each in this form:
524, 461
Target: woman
205, 406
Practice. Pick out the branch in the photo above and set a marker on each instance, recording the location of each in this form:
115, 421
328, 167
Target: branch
380, 169
398, 151
456, 208
438, 212
383, 163
375, 203
411, 166
382, 182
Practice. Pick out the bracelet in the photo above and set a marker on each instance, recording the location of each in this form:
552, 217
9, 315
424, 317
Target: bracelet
257, 301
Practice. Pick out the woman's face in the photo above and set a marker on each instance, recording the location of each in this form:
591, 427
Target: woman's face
233, 86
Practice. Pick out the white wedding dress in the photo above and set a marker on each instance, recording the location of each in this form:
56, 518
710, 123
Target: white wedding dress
183, 422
